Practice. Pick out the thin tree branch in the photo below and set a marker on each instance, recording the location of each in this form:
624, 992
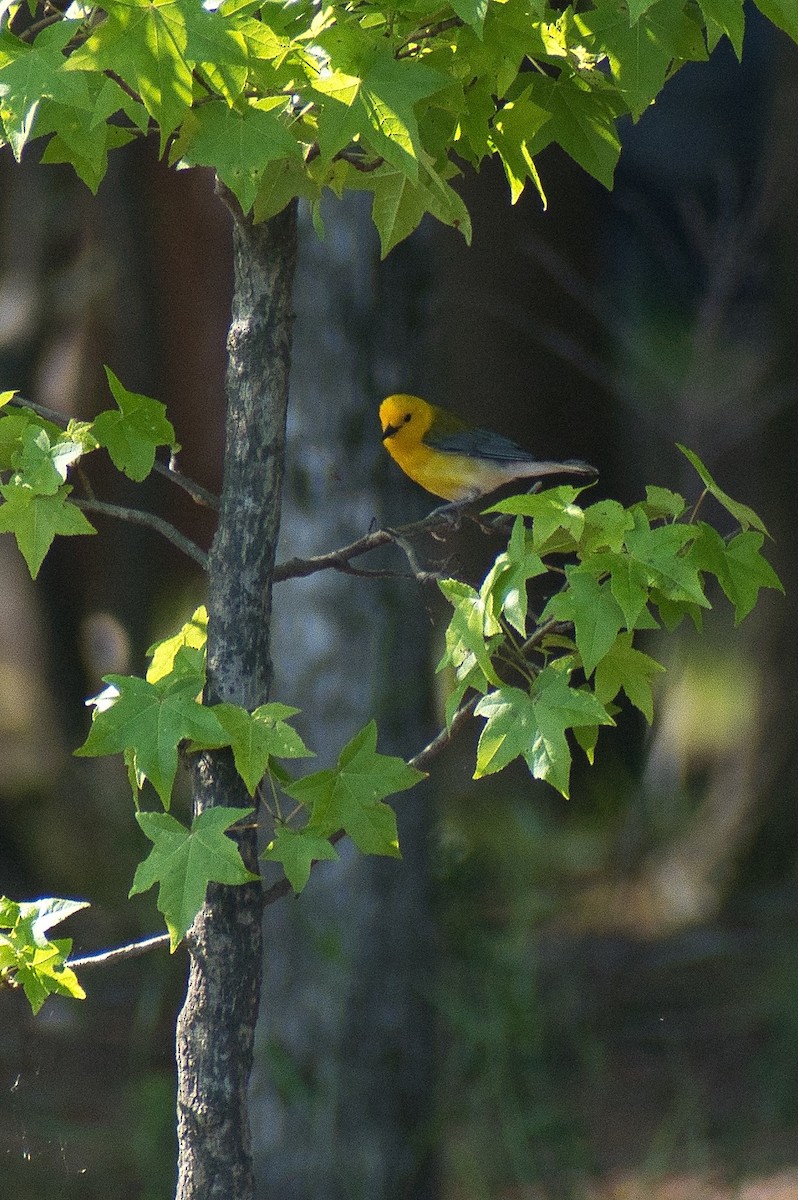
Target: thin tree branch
132, 950
196, 491
439, 520
441, 740
137, 516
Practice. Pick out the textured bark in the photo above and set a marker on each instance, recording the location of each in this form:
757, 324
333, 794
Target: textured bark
216, 1026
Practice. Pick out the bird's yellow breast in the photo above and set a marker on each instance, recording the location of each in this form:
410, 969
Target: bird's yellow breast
450, 476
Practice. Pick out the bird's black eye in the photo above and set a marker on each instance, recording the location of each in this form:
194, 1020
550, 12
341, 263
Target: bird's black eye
406, 418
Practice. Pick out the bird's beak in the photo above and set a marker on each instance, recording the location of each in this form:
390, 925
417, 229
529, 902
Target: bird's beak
389, 431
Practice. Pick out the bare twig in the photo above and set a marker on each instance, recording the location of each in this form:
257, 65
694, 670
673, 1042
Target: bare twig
196, 491
132, 950
137, 516
442, 739
340, 560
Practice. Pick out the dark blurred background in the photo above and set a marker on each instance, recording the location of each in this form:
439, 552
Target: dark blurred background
593, 997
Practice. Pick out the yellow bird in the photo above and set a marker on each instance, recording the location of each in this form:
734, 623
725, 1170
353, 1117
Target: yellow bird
452, 459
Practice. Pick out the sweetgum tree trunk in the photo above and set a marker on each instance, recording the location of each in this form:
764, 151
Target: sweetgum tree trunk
216, 1026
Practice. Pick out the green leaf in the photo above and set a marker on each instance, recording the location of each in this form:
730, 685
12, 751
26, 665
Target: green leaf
183, 862
193, 634
782, 13
582, 122
533, 726
659, 549
36, 520
281, 182
465, 635
624, 667
662, 502
349, 797
40, 466
606, 524
595, 613
27, 958
740, 567
641, 54
79, 139
297, 850
32, 75
152, 719
13, 426
741, 512
256, 737
514, 130
729, 16
389, 91
239, 144
552, 511
629, 584
504, 589
132, 434
145, 43
473, 12
400, 204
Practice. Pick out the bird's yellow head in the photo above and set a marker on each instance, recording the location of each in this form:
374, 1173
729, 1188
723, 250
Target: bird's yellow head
404, 420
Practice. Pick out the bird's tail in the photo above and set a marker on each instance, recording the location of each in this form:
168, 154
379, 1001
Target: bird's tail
571, 466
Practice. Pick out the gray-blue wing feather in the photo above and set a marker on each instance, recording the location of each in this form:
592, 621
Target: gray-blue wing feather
492, 447
478, 443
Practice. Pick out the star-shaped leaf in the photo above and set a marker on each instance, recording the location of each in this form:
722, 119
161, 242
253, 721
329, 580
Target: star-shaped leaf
660, 550
132, 434
624, 667
37, 72
256, 737
193, 634
533, 726
28, 959
629, 583
554, 516
740, 567
239, 145
504, 588
595, 613
41, 465
297, 850
465, 635
184, 861
741, 512
151, 720
582, 121
350, 795
145, 43
36, 520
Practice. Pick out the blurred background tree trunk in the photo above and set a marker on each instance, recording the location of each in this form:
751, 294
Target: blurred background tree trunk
343, 1090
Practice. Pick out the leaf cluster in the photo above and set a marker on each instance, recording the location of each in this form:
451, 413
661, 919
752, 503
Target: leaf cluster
148, 721
37, 456
286, 100
29, 958
621, 571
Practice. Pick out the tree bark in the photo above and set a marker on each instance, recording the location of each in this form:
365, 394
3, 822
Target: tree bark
215, 1029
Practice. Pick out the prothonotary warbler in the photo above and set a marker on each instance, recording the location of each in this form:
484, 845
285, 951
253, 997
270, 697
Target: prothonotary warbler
452, 459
